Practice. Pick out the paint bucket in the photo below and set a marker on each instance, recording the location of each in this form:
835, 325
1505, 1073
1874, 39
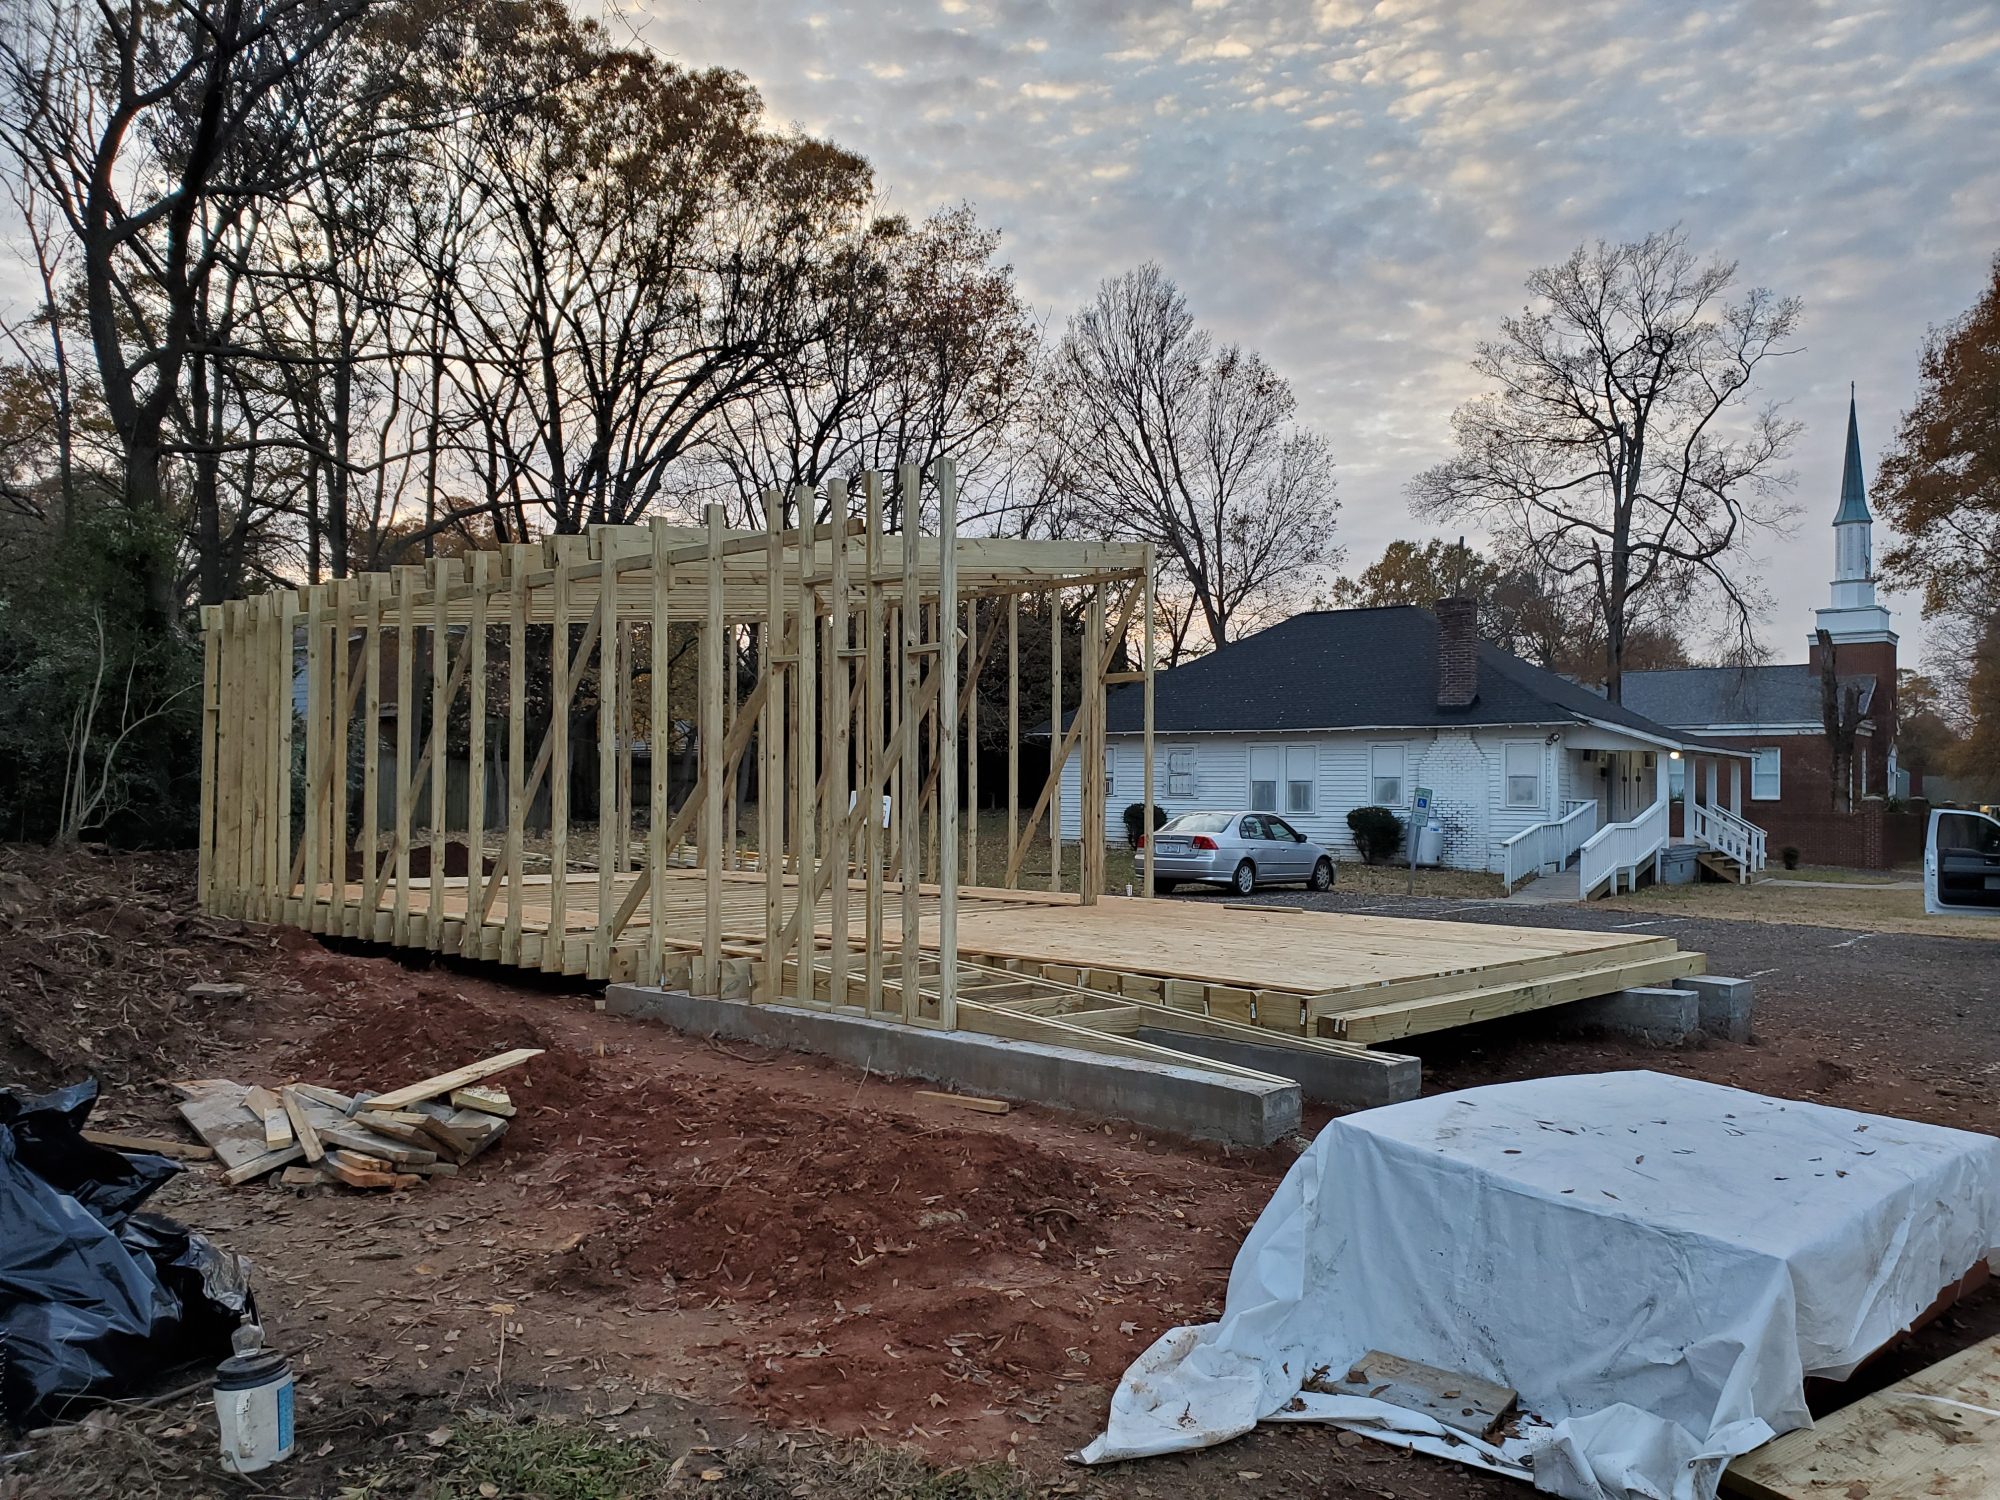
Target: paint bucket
253, 1404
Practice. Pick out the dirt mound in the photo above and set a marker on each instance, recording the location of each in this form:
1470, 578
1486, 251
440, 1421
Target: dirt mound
391, 1029
704, 1187
99, 952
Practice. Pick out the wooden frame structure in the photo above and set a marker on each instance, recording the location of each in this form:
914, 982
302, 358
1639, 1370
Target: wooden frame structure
839, 662
840, 659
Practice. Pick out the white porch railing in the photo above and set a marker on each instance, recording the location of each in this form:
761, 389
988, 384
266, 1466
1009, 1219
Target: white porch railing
1617, 850
1728, 834
1547, 846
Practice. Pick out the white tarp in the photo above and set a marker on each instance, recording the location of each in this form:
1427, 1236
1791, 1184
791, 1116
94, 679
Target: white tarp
1653, 1263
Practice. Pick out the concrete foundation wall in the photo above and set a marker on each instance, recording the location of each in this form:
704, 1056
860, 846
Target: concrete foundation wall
1325, 1077
1183, 1101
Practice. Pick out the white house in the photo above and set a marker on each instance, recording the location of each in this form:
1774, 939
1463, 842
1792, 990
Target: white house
1337, 709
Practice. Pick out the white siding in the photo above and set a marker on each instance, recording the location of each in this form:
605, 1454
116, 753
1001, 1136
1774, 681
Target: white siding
1465, 769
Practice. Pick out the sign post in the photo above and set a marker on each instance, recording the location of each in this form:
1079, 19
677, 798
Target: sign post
1420, 811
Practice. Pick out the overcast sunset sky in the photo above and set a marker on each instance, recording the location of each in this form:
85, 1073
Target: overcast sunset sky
1359, 190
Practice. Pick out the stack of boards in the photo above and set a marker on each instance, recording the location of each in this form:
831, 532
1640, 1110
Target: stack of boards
314, 1135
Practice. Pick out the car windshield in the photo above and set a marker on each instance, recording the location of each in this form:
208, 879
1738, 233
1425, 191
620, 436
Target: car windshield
1198, 823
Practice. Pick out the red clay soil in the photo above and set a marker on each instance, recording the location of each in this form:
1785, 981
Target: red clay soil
892, 1268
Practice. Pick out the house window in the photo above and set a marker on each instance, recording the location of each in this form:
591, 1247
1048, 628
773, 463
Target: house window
1180, 773
1110, 772
1386, 766
1265, 764
1764, 780
1301, 775
1523, 765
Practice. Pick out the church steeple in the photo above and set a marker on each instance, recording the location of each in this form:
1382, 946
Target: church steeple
1853, 613
1853, 487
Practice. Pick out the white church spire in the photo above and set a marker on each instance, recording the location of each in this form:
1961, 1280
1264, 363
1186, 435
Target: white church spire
1853, 613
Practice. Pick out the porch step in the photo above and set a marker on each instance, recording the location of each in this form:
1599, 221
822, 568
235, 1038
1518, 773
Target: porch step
1727, 866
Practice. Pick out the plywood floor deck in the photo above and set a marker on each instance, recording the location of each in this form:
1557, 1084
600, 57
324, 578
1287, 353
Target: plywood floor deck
1359, 977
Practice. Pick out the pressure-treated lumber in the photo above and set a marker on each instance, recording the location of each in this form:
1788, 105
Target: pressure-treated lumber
457, 1078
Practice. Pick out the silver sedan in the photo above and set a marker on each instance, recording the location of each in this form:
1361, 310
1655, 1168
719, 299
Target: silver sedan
1241, 850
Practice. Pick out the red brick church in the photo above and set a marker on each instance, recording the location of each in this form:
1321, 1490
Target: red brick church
1778, 713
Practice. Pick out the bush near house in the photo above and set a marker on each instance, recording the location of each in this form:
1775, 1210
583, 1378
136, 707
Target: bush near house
1135, 821
1378, 833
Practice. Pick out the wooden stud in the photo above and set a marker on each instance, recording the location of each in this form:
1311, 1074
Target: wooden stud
947, 760
771, 752
475, 759
1056, 738
441, 570
805, 744
905, 811
1150, 605
608, 693
371, 756
711, 761
840, 711
1013, 733
659, 743
560, 689
874, 704
406, 657
518, 558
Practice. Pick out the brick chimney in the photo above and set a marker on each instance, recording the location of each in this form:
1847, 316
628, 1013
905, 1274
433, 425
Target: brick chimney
1458, 651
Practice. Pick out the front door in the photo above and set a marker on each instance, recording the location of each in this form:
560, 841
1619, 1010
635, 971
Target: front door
1631, 785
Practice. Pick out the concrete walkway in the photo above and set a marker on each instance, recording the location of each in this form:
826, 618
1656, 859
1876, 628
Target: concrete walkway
1844, 885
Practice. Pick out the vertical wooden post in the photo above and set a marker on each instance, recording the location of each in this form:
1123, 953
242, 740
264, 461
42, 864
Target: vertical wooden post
1148, 603
840, 710
947, 819
908, 783
711, 762
939, 628
1013, 734
1055, 736
520, 559
342, 590
771, 756
443, 570
229, 739
608, 692
558, 772
805, 744
1091, 783
472, 938
972, 745
406, 660
873, 703
315, 771
371, 758
283, 657
659, 743
627, 693
211, 719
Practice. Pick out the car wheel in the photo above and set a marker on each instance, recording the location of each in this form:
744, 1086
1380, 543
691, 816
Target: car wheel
1322, 876
1244, 881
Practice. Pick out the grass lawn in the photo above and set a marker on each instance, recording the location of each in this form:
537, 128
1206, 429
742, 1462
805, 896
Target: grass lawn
1831, 903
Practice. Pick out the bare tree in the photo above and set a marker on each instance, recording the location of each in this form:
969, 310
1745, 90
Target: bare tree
1162, 435
1607, 451
146, 126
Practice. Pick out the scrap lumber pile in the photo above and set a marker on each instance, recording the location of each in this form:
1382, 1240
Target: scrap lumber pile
314, 1135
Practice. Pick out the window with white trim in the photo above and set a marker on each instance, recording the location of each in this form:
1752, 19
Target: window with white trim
1266, 763
1522, 763
1110, 772
1388, 767
1180, 773
1301, 777
1764, 774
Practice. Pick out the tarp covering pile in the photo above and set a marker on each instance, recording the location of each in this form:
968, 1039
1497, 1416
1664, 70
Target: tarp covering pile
1654, 1264
96, 1298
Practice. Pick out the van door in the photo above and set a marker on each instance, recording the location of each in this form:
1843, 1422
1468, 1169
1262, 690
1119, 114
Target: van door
1962, 864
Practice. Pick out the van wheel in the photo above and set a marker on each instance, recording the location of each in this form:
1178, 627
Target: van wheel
1244, 881
1322, 876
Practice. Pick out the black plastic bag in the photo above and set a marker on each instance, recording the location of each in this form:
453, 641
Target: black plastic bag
96, 1298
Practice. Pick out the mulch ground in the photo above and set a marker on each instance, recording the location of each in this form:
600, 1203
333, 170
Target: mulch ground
688, 1239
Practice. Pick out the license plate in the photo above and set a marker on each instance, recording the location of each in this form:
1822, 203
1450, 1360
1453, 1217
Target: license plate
1173, 846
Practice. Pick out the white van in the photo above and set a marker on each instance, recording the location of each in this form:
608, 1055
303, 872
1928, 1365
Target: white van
1962, 864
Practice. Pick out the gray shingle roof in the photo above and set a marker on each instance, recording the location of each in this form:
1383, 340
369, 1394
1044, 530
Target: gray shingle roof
1691, 697
1354, 669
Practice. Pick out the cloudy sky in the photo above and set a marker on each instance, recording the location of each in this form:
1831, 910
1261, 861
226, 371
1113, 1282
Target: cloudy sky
1358, 190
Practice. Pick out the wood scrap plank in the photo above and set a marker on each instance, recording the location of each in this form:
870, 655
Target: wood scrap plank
1934, 1434
353, 1138
257, 1166
260, 1101
153, 1144
488, 1101
482, 1130
444, 1083
1456, 1399
213, 1109
353, 1176
302, 1177
302, 1126
966, 1101
331, 1098
278, 1132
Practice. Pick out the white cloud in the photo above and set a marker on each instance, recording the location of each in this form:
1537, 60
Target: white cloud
1359, 190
